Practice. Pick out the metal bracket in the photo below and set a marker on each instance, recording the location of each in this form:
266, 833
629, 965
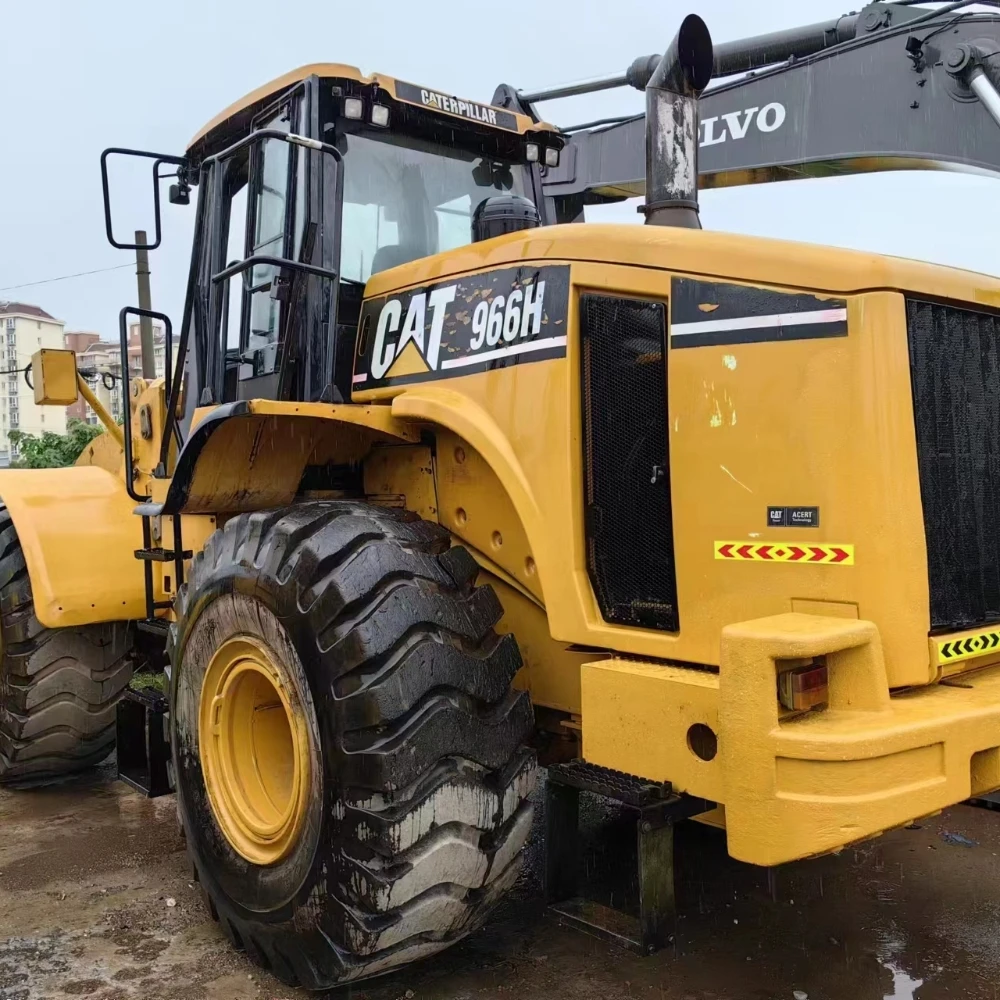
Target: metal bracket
658, 808
143, 750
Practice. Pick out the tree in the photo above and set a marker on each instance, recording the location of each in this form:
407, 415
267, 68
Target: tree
51, 451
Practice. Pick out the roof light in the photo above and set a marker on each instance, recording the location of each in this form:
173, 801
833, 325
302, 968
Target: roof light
353, 107
531, 152
380, 115
551, 157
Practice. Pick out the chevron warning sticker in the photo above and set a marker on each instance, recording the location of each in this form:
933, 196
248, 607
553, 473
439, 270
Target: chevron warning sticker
785, 552
951, 650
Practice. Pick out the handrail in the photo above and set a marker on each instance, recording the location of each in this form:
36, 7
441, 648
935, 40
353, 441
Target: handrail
171, 426
126, 381
274, 133
250, 262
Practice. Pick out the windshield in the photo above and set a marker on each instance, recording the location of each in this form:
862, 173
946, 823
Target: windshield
405, 198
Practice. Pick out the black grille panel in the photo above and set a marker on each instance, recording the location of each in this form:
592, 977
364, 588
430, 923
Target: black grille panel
955, 372
630, 550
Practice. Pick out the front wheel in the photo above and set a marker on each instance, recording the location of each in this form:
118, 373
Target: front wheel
348, 747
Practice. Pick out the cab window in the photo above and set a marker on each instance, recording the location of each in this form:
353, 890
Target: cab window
405, 198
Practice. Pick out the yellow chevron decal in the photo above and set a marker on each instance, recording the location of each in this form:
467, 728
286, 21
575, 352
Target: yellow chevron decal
952, 650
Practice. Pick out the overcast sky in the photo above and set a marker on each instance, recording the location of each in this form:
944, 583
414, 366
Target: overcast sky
77, 77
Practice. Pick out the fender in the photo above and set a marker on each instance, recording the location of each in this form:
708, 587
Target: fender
485, 499
252, 454
448, 409
79, 535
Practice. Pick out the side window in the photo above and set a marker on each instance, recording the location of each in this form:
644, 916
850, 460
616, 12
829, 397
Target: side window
272, 197
216, 321
235, 244
272, 188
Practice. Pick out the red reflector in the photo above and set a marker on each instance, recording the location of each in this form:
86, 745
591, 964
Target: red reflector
803, 688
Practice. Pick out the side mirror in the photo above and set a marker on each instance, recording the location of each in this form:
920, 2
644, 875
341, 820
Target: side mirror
159, 159
54, 374
56, 382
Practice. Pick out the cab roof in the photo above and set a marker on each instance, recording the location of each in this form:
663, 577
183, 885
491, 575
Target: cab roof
238, 115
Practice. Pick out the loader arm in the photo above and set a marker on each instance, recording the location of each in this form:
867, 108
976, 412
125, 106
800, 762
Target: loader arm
885, 89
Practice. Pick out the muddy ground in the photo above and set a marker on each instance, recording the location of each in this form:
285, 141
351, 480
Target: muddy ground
96, 901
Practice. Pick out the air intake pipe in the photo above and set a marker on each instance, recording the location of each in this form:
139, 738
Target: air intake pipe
672, 95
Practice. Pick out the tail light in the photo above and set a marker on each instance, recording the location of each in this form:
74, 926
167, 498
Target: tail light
803, 688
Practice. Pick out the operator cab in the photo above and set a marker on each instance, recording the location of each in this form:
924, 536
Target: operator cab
308, 187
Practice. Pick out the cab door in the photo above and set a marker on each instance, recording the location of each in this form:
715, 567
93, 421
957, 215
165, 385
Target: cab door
267, 279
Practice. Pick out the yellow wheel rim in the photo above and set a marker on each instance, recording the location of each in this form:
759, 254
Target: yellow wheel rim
254, 752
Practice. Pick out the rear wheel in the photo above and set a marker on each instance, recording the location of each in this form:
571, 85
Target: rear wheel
58, 687
348, 747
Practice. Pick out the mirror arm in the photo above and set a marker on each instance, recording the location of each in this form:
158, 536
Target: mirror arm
102, 414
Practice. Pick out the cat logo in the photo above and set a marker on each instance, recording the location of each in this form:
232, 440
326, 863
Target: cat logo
474, 324
386, 352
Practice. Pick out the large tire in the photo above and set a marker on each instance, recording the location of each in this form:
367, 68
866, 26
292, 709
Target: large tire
418, 807
58, 687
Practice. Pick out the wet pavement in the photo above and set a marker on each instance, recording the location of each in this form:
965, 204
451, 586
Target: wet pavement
96, 901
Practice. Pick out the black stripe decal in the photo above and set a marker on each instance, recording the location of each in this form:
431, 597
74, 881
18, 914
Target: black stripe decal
704, 314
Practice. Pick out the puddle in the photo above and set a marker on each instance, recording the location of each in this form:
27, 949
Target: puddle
904, 986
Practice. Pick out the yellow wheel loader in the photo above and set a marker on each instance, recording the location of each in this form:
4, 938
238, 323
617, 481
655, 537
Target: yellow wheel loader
708, 522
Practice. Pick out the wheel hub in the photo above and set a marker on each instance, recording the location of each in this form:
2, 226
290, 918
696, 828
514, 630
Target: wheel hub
254, 751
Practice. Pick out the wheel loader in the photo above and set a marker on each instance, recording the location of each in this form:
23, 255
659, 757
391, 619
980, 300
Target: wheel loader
445, 484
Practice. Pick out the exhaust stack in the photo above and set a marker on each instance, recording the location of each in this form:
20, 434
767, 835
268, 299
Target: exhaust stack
672, 95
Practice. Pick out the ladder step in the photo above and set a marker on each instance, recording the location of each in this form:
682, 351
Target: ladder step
161, 555
625, 788
155, 626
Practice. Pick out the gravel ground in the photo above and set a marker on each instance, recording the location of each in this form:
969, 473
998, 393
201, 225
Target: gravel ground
96, 901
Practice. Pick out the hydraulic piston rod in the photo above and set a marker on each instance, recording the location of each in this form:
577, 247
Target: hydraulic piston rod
980, 84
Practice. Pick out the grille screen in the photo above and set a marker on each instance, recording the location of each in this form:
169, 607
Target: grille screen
630, 551
955, 372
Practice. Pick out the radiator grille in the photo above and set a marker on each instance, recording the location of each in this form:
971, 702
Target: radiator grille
955, 373
630, 552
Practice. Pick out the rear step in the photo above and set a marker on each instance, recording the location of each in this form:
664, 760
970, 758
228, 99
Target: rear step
658, 808
143, 743
991, 800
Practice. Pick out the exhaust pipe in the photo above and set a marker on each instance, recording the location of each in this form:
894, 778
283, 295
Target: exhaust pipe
672, 95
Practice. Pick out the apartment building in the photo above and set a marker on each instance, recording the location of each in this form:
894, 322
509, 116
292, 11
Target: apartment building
24, 329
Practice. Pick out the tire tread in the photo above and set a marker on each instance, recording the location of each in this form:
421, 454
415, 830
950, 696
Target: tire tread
425, 726
58, 687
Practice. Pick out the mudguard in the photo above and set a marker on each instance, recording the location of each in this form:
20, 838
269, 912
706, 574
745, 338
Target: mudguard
79, 535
